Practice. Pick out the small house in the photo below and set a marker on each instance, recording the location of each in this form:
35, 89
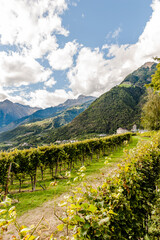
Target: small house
121, 130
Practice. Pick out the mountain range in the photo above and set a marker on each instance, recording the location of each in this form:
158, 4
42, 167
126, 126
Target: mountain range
38, 114
10, 112
119, 107
31, 128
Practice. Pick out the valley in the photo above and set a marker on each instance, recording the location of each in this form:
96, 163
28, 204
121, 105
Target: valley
69, 148
119, 107
31, 205
41, 205
79, 120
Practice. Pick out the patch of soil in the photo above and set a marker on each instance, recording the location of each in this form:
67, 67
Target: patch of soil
49, 224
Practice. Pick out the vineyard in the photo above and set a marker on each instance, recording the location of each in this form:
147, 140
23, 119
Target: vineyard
125, 206
21, 164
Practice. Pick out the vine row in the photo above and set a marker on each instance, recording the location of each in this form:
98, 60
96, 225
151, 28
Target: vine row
21, 163
122, 207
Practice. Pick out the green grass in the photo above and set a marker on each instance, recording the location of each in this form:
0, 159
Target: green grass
127, 85
31, 200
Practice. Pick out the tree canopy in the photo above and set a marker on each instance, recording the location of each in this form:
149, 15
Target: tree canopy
155, 84
151, 111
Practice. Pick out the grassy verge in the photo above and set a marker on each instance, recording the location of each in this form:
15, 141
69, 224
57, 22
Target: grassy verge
31, 200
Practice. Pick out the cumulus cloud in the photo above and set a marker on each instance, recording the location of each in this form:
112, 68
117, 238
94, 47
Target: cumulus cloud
62, 59
88, 76
7, 94
50, 83
28, 24
95, 73
28, 28
44, 98
17, 70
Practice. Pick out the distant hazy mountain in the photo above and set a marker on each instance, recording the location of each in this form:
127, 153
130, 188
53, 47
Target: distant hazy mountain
47, 113
10, 111
35, 133
54, 111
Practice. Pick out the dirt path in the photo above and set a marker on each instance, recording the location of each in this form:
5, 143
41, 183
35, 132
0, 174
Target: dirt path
50, 221
32, 217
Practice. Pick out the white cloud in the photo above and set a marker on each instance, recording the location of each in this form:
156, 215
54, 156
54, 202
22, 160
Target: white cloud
38, 50
94, 74
62, 59
31, 23
116, 32
44, 98
17, 70
31, 26
50, 83
7, 94
89, 74
74, 4
3, 94
148, 44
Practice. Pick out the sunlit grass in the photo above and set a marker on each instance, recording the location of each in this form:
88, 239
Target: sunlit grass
30, 200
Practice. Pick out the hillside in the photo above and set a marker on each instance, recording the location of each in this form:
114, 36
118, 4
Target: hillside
48, 112
120, 107
30, 134
10, 111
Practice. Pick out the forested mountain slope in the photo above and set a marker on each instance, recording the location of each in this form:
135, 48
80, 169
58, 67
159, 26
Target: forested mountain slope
31, 134
46, 113
119, 107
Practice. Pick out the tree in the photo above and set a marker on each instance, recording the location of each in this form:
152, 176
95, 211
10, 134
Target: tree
155, 84
151, 111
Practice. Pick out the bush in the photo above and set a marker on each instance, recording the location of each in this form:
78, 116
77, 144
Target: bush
121, 207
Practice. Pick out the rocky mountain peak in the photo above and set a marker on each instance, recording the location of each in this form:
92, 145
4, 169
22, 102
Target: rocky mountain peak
7, 101
148, 65
81, 96
10, 111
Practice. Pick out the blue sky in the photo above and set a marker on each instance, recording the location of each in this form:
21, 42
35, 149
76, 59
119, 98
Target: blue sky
92, 20
52, 50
